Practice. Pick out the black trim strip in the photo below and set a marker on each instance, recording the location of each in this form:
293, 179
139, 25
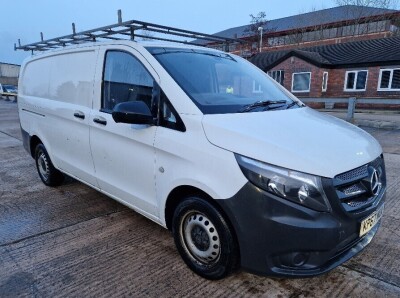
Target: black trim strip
32, 112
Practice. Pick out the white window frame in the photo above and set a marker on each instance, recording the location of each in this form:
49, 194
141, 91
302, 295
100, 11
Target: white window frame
355, 81
326, 82
281, 72
390, 79
309, 84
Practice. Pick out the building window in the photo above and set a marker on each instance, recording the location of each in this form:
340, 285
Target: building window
277, 75
389, 80
348, 30
356, 80
301, 82
325, 81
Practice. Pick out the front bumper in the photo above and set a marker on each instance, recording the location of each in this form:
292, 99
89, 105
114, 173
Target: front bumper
280, 238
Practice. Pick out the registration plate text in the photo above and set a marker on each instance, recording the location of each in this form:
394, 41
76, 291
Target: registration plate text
368, 223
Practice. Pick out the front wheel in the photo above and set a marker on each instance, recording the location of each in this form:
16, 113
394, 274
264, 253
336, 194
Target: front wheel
46, 170
204, 239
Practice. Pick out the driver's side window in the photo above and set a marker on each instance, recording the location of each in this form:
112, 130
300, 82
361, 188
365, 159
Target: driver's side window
125, 79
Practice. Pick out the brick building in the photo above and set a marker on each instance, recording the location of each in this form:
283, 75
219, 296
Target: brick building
340, 52
363, 69
328, 26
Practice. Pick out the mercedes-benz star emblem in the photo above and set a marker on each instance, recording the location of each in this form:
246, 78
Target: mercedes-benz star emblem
375, 182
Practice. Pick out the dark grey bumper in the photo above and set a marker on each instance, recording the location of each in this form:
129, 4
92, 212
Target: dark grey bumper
278, 237
26, 140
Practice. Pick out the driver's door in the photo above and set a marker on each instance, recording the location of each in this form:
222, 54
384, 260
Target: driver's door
123, 154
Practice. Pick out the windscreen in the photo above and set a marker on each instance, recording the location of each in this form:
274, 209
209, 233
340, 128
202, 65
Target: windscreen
219, 83
9, 88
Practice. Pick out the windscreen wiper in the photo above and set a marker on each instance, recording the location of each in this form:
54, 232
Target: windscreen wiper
291, 105
259, 104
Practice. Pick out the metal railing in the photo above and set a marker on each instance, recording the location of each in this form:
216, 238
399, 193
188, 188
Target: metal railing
376, 101
351, 103
122, 31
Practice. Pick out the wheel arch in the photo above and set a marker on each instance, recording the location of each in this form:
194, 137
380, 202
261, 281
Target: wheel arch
179, 193
33, 143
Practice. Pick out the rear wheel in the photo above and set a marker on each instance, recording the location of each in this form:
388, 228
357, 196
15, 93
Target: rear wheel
204, 239
46, 170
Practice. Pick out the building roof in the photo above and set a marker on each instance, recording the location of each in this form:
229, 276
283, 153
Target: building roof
310, 19
6, 63
384, 51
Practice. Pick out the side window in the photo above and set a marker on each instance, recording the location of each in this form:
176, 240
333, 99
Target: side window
325, 81
125, 79
356, 80
168, 117
389, 80
301, 82
277, 75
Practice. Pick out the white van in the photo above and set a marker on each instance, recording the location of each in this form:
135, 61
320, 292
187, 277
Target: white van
207, 145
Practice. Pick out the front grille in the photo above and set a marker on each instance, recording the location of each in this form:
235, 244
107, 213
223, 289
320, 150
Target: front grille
353, 188
359, 202
353, 174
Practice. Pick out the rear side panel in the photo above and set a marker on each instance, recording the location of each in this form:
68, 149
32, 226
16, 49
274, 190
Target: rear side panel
54, 90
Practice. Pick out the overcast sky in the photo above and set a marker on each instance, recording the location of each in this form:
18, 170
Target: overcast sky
26, 19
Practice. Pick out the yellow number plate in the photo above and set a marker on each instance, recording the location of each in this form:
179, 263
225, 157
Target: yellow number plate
368, 223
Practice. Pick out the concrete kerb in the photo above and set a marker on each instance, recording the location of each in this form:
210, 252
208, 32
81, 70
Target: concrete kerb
389, 125
383, 119
378, 120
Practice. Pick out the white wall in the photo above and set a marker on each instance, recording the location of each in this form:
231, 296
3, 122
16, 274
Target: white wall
9, 70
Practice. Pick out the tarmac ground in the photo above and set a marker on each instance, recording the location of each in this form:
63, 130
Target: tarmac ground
75, 241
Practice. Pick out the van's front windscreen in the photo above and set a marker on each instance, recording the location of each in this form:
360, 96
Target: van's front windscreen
221, 83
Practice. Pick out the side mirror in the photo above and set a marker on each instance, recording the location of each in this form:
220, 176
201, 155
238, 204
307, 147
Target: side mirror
132, 112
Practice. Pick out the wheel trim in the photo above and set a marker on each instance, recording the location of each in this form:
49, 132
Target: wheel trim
200, 238
43, 166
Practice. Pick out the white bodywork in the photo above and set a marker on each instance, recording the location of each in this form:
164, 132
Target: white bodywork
140, 165
300, 139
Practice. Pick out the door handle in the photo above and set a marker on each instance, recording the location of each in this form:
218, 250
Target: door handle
79, 114
100, 120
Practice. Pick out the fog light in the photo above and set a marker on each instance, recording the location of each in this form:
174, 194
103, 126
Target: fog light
299, 259
295, 259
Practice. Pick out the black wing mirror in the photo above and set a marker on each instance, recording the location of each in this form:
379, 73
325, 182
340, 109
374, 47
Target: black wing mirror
132, 112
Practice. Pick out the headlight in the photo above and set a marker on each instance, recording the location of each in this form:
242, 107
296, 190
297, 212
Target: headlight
301, 188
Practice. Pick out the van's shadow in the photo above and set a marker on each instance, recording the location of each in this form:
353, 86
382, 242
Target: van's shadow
70, 181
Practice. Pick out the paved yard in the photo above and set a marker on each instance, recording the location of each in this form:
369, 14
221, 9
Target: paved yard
74, 241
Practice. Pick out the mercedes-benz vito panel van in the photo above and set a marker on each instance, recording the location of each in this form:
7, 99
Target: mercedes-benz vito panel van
207, 145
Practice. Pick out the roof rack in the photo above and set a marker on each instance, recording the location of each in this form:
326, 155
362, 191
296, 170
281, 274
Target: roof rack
120, 31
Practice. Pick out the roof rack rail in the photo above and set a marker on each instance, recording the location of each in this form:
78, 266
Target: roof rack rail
120, 31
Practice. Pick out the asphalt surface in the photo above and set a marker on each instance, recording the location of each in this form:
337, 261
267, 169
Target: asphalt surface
74, 241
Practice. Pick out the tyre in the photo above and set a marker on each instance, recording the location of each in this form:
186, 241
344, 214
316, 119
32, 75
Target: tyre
47, 172
204, 239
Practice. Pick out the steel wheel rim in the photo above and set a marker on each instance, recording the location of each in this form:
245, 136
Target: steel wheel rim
43, 166
200, 238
